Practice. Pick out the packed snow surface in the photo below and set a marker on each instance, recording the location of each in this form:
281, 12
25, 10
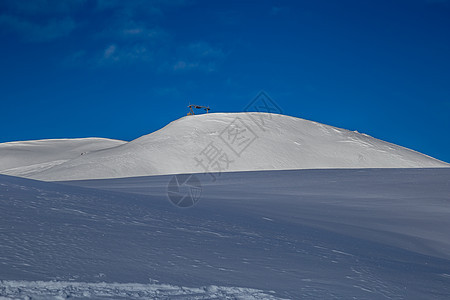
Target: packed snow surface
224, 142
297, 234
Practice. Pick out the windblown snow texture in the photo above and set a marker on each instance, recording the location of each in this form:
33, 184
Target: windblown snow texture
29, 157
369, 234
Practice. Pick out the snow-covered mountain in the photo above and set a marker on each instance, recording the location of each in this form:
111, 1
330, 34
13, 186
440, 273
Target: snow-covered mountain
221, 142
28, 157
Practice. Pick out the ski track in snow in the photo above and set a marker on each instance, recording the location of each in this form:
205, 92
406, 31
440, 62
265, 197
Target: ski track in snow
102, 290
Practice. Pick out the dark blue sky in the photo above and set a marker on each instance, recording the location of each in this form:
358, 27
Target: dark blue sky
122, 69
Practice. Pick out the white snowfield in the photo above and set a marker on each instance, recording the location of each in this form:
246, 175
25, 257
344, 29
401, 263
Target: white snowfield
297, 234
29, 157
225, 142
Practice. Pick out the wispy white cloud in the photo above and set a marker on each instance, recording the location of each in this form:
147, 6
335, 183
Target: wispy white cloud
131, 7
200, 56
39, 20
129, 43
131, 30
161, 55
277, 10
109, 51
111, 32
205, 50
114, 54
183, 65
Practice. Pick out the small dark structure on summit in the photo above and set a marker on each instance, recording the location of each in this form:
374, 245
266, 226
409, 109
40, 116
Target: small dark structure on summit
192, 106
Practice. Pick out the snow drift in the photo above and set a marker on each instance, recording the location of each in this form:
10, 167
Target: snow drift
222, 142
27, 157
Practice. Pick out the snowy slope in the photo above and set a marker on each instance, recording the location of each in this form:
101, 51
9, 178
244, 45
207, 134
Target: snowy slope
303, 234
28, 157
265, 142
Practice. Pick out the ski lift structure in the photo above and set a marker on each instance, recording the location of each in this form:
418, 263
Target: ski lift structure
193, 106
